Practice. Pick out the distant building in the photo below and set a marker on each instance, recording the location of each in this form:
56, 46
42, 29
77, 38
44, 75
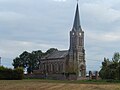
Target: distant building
67, 64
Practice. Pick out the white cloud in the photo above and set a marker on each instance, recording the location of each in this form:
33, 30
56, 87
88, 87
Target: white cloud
11, 16
111, 37
14, 1
60, 0
12, 48
101, 12
104, 37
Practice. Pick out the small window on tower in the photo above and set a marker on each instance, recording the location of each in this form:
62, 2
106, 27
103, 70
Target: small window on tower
80, 34
73, 33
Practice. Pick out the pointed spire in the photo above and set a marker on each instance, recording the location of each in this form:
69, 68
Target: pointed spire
76, 25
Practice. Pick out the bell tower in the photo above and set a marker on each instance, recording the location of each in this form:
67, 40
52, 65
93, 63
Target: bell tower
76, 49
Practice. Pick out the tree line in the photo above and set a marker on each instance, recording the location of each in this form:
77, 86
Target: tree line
30, 60
111, 68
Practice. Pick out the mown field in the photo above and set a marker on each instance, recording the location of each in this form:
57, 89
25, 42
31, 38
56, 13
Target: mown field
56, 85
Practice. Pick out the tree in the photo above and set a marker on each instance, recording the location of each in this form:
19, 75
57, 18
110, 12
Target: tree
104, 70
116, 57
34, 60
31, 61
16, 62
111, 69
21, 61
28, 60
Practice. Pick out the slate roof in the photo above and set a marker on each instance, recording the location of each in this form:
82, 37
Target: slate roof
56, 54
76, 24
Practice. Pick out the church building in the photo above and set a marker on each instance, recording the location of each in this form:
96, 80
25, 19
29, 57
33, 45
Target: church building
67, 64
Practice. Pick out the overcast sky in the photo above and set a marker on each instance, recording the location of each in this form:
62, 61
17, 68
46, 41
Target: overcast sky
41, 24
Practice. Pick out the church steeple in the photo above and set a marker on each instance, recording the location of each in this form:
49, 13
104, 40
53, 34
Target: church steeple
76, 24
76, 50
77, 34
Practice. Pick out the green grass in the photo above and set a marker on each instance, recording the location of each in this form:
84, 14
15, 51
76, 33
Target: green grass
77, 81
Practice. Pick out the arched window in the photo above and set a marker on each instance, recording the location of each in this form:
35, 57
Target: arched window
57, 66
53, 68
80, 41
49, 68
62, 67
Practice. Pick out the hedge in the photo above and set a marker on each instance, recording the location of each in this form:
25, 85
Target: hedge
11, 74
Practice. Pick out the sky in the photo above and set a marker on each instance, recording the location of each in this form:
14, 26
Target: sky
29, 25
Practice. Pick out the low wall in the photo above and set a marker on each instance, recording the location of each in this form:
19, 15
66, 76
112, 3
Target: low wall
33, 76
53, 76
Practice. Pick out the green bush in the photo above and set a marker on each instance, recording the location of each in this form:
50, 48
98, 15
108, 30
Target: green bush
11, 74
111, 68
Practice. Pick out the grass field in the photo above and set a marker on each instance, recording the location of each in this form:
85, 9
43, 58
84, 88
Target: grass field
56, 85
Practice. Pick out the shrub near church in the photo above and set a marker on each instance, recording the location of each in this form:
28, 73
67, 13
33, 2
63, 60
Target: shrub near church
11, 74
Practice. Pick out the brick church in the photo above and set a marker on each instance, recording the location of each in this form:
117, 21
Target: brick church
67, 64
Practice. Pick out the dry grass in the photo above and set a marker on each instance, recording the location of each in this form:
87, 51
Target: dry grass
44, 85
